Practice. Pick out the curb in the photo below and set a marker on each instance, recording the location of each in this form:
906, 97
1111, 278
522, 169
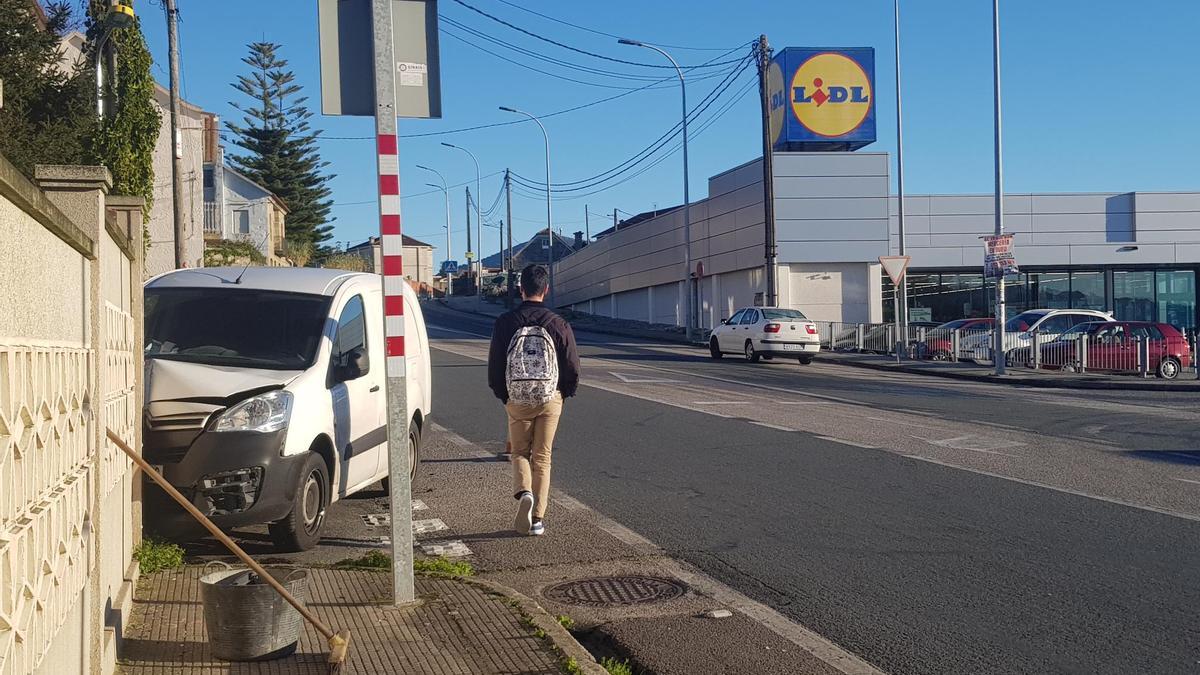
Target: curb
1094, 385
592, 328
559, 638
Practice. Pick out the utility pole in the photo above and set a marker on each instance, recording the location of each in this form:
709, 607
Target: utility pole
614, 220
999, 357
587, 225
176, 136
470, 262
768, 170
508, 208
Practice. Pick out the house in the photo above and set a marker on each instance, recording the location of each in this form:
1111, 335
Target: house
416, 255
160, 253
537, 251
238, 209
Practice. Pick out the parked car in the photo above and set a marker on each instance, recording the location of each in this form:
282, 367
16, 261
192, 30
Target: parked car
1018, 332
939, 342
265, 399
766, 332
1112, 346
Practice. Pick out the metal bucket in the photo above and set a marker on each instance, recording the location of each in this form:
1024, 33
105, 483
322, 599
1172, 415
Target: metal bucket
246, 619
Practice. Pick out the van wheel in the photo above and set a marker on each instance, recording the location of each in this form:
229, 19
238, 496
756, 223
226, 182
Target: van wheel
714, 350
300, 530
414, 459
1169, 368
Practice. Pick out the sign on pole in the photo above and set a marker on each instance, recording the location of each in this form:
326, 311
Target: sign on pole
360, 69
895, 266
998, 257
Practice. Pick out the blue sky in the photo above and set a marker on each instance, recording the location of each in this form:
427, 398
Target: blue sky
1098, 97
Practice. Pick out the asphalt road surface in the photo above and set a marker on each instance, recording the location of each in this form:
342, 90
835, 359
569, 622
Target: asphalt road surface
926, 525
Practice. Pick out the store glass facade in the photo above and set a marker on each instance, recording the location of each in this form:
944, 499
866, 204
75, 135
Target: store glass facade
1167, 295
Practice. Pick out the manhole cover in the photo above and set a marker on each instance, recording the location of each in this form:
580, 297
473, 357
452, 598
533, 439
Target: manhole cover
624, 590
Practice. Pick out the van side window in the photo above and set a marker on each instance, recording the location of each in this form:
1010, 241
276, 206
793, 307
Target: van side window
351, 331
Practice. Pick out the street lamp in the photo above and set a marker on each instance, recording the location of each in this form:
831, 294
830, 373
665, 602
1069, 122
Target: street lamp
478, 217
549, 222
446, 193
998, 356
118, 16
687, 202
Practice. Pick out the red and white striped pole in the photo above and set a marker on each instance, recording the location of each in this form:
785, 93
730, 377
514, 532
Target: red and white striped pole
392, 242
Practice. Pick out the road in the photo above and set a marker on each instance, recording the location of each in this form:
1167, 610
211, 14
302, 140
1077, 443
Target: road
926, 525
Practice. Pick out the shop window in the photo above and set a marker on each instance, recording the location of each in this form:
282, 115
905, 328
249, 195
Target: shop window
1133, 296
1050, 290
1087, 290
1177, 298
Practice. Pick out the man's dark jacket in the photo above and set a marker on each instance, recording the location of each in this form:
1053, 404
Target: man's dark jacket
531, 313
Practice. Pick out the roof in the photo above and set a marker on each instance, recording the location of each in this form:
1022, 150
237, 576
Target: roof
271, 195
407, 241
311, 280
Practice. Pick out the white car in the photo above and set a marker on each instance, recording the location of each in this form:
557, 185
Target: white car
766, 332
265, 393
1018, 332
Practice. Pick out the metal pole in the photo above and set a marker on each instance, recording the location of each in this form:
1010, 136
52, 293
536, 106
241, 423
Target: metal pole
470, 262
587, 224
687, 202
998, 355
768, 170
508, 199
478, 215
902, 314
549, 218
176, 139
391, 237
614, 220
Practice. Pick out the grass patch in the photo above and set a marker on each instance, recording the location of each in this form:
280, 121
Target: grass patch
566, 621
441, 567
155, 556
615, 667
570, 666
373, 560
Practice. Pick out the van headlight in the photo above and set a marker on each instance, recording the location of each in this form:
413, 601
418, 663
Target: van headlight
263, 413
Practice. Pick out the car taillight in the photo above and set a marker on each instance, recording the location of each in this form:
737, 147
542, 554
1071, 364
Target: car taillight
772, 328
812, 330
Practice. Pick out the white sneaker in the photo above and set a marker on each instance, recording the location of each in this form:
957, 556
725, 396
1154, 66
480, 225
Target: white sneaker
537, 529
524, 520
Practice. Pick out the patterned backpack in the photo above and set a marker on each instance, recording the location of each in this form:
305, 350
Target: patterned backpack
531, 372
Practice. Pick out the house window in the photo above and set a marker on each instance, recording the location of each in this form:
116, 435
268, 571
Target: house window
208, 177
242, 217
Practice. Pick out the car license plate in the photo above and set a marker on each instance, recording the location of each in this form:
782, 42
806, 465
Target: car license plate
793, 348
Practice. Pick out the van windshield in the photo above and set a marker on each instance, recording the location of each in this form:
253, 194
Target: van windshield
235, 327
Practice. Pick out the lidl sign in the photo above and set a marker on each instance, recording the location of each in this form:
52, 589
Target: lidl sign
822, 99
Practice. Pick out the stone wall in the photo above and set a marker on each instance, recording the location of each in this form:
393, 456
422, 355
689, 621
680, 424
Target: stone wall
70, 365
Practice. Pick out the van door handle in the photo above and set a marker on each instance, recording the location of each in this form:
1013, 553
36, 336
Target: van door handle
374, 389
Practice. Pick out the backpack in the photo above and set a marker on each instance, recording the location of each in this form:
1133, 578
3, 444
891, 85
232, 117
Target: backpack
531, 370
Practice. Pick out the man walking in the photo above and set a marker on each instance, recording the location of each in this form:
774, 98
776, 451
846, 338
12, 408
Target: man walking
533, 365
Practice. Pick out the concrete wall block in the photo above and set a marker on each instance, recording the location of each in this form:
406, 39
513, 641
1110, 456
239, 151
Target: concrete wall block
841, 230
787, 208
820, 186
830, 164
1110, 254
833, 252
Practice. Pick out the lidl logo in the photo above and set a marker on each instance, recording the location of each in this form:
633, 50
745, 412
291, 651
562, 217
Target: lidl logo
830, 94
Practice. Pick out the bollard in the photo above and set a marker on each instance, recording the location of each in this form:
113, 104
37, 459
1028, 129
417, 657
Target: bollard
955, 337
1081, 352
1037, 350
1143, 356
858, 336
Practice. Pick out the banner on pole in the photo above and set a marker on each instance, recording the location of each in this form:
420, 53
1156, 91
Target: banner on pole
998, 258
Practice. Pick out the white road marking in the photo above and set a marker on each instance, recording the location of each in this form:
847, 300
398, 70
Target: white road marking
637, 379
804, 402
720, 402
1077, 493
446, 549
1187, 480
777, 427
843, 441
428, 525
418, 505
974, 443
455, 330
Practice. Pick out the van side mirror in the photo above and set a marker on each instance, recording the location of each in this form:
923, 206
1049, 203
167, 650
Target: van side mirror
354, 365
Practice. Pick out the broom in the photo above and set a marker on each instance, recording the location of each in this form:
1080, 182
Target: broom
339, 642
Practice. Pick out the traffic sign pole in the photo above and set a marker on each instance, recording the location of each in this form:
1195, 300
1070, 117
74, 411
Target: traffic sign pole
896, 267
391, 237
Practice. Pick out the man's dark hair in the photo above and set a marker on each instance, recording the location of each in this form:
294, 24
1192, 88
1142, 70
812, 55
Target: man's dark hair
535, 279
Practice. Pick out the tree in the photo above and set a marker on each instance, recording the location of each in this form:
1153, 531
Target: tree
345, 261
48, 116
280, 146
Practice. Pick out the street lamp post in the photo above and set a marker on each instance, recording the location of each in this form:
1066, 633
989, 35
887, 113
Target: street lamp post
478, 222
999, 357
549, 220
445, 193
902, 315
687, 202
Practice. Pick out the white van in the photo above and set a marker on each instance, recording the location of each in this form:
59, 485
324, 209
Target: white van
265, 392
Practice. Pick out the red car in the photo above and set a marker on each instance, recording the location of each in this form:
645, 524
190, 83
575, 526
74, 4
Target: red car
937, 344
1113, 346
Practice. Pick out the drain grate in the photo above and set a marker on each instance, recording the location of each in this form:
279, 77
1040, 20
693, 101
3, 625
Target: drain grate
611, 591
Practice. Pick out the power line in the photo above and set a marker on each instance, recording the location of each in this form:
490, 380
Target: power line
421, 194
600, 32
571, 48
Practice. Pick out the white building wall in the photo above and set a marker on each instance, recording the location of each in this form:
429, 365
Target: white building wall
160, 256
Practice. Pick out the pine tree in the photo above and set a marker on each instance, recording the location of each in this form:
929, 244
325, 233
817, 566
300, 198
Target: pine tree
48, 117
280, 146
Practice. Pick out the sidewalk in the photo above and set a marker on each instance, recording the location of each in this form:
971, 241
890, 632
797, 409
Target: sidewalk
460, 627
1019, 376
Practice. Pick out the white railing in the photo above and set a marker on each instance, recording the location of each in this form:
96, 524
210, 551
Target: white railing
212, 218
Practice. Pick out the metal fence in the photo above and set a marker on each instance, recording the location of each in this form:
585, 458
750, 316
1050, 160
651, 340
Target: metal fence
1072, 353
